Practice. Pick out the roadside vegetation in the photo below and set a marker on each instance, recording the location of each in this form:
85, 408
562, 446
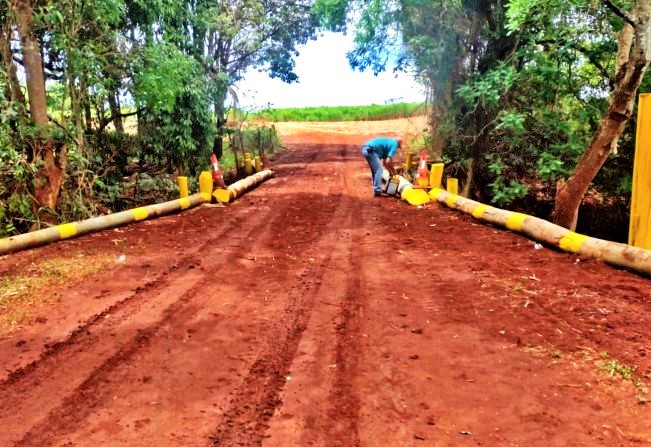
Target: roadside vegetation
533, 103
104, 102
374, 112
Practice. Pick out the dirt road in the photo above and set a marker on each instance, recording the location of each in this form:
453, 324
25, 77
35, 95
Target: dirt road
309, 313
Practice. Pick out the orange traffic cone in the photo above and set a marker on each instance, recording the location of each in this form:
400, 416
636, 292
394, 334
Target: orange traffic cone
423, 174
217, 176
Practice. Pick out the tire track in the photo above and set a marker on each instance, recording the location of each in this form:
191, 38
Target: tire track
76, 403
92, 391
343, 402
83, 346
253, 404
141, 294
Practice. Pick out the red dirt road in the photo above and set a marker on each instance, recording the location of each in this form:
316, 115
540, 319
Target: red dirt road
308, 313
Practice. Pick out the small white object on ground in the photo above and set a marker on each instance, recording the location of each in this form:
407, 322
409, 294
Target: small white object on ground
121, 259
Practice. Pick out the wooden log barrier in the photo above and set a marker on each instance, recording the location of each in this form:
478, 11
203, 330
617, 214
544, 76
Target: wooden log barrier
183, 186
621, 255
226, 195
68, 230
407, 191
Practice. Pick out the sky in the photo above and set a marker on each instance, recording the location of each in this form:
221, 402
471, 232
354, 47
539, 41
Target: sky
326, 79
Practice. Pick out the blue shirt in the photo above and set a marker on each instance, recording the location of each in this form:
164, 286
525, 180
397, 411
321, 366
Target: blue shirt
384, 146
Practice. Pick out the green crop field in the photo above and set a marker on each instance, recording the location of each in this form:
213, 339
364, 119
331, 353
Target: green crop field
372, 112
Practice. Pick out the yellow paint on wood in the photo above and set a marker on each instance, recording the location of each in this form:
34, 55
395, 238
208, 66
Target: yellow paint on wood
205, 182
639, 234
416, 197
183, 186
452, 185
205, 196
222, 195
479, 210
436, 175
140, 213
67, 230
451, 200
572, 241
258, 164
185, 203
515, 220
435, 192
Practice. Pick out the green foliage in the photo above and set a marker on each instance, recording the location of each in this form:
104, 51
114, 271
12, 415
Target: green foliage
167, 62
162, 75
504, 191
343, 113
518, 87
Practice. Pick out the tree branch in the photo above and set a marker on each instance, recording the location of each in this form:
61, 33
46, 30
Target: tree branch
619, 12
106, 121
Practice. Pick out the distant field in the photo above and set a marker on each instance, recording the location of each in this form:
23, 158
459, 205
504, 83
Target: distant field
373, 112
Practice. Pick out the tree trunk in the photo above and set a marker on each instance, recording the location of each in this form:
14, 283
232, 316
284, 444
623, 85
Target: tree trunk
116, 111
33, 65
632, 62
50, 173
15, 93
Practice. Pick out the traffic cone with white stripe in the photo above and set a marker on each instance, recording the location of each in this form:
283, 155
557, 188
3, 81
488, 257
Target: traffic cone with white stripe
423, 173
217, 176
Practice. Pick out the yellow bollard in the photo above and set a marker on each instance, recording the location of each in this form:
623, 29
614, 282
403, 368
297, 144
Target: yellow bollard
408, 161
205, 183
639, 233
248, 168
258, 164
435, 175
183, 186
452, 185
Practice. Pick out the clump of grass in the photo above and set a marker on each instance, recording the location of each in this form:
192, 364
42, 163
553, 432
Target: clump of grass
613, 367
30, 288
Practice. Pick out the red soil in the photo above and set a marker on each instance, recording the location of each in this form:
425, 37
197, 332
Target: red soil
310, 313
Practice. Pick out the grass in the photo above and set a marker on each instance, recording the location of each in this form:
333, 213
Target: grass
31, 288
612, 367
372, 112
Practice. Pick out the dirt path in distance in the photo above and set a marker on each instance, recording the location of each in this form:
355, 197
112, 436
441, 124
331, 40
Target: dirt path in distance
309, 313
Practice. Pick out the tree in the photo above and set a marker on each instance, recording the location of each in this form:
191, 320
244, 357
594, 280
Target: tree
632, 62
51, 163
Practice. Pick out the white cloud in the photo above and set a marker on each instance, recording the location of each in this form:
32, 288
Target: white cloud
326, 79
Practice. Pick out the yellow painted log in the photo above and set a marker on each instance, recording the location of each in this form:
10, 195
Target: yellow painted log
633, 258
183, 186
436, 175
452, 185
68, 230
639, 234
248, 166
407, 191
226, 195
258, 164
205, 183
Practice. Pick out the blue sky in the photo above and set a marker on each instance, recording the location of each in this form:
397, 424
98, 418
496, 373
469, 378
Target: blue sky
326, 79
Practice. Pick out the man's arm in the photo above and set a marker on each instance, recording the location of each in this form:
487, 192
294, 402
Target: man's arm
388, 163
